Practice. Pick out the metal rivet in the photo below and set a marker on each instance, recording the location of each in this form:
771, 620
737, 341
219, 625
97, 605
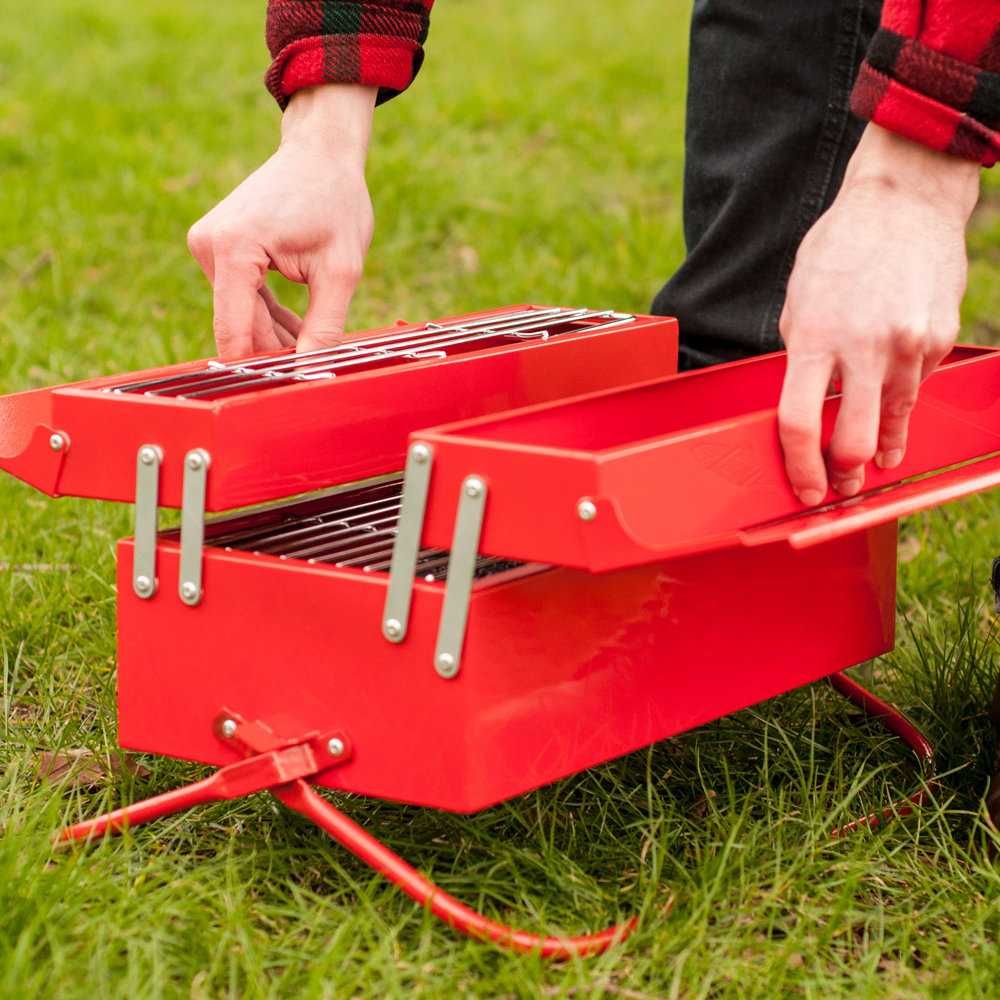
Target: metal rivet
57, 442
392, 628
189, 591
228, 728
195, 461
420, 453
143, 584
446, 665
587, 510
147, 456
335, 746
473, 487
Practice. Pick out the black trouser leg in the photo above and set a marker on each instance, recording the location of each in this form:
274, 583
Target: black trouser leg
768, 137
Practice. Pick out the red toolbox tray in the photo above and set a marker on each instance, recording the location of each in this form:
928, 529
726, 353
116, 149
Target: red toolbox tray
282, 424
690, 463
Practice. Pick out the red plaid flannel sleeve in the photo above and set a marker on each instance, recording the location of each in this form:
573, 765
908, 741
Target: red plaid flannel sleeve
378, 44
932, 74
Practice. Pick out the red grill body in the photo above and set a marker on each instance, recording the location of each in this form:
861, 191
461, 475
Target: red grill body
588, 553
561, 669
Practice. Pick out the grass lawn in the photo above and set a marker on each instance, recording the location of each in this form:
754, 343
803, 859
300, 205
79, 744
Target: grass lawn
537, 159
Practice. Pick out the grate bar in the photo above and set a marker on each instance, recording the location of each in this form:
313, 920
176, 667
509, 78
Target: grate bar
297, 541
434, 341
356, 529
420, 348
290, 525
332, 545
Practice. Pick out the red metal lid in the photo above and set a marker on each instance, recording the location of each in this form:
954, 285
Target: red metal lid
283, 423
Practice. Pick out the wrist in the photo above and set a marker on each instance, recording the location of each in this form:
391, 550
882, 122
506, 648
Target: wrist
894, 164
332, 118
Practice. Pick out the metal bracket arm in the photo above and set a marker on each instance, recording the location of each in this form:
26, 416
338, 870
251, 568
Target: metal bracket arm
406, 548
147, 498
461, 573
196, 464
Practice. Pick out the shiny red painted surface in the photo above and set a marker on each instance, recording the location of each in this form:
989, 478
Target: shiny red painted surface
692, 463
310, 435
561, 669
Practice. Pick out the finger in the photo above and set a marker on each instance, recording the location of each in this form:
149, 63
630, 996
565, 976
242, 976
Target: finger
235, 301
855, 434
899, 396
265, 337
330, 293
284, 335
800, 413
288, 319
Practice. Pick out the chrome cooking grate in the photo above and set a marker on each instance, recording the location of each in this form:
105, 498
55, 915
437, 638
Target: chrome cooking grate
433, 341
355, 528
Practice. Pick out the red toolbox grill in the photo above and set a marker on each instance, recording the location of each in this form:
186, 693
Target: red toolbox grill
528, 597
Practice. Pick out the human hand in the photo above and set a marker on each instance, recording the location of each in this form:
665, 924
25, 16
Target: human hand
873, 299
305, 213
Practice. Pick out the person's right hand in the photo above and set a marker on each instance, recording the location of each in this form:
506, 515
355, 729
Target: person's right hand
305, 213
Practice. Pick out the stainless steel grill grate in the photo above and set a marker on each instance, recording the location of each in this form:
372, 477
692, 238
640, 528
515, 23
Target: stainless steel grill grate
355, 528
433, 341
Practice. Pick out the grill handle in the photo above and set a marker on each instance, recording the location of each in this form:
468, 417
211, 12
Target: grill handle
879, 507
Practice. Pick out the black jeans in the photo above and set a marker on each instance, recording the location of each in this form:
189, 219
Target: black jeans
769, 133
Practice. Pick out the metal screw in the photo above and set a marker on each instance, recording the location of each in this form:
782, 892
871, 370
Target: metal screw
228, 728
189, 591
587, 510
195, 461
393, 628
335, 746
446, 665
473, 488
143, 585
420, 453
57, 442
147, 456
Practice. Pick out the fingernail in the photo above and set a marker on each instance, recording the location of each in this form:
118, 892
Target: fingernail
810, 497
848, 487
889, 459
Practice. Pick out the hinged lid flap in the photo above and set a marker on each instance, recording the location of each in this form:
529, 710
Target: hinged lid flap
692, 462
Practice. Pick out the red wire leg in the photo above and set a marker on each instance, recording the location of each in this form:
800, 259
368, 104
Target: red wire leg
899, 725
284, 770
301, 797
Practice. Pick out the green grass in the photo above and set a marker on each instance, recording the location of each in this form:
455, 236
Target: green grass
538, 159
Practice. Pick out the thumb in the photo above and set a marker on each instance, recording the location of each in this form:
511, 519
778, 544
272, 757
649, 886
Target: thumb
323, 325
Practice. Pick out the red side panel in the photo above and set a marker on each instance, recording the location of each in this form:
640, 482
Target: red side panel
561, 669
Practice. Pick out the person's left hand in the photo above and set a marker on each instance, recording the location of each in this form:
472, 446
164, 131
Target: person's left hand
873, 300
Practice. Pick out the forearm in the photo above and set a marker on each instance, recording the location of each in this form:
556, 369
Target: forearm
334, 120
887, 161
